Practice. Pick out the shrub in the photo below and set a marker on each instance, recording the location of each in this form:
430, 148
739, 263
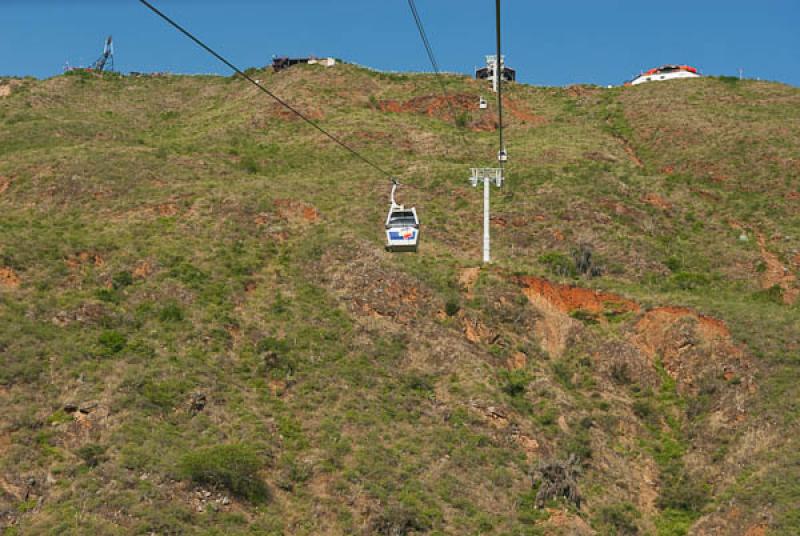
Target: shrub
122, 279
689, 280
398, 520
234, 467
189, 275
274, 353
584, 264
162, 394
514, 382
563, 373
620, 373
579, 445
451, 307
107, 295
92, 454
620, 518
644, 410
679, 491
559, 264
674, 264
171, 312
250, 164
112, 341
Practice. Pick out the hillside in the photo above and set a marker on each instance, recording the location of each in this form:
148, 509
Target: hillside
200, 332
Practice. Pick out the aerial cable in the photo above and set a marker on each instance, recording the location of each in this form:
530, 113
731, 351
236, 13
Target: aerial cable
429, 50
265, 90
499, 74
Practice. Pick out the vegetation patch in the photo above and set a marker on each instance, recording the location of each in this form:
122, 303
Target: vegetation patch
234, 467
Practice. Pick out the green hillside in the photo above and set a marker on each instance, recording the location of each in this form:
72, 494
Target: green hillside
200, 332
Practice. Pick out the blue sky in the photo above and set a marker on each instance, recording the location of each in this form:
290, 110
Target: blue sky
549, 43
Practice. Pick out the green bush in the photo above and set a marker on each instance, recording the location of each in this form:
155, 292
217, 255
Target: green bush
674, 264
92, 454
688, 280
680, 491
559, 264
514, 382
171, 312
112, 342
189, 275
122, 280
108, 295
234, 467
619, 518
250, 164
451, 307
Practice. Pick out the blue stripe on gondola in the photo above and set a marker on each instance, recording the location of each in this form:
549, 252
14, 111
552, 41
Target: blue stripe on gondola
398, 236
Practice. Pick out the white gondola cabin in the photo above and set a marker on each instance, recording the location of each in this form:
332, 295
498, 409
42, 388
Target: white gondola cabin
402, 227
482, 104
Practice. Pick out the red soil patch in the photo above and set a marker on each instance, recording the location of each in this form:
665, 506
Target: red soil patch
517, 361
143, 270
618, 208
558, 235
707, 195
277, 110
554, 302
712, 328
777, 275
290, 209
793, 196
4, 184
445, 108
692, 346
84, 257
578, 90
485, 123
657, 201
167, 209
518, 112
431, 105
632, 154
568, 299
468, 278
475, 331
9, 278
668, 170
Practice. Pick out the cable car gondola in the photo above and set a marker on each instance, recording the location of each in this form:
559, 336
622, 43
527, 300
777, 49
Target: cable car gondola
402, 226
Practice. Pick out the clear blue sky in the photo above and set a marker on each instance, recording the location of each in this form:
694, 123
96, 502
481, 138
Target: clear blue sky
549, 43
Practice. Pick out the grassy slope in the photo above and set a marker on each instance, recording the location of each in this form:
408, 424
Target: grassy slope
361, 402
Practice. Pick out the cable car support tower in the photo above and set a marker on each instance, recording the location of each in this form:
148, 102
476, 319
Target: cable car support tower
108, 55
489, 176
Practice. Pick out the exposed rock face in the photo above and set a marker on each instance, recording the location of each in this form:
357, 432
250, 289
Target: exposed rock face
690, 346
555, 302
568, 298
